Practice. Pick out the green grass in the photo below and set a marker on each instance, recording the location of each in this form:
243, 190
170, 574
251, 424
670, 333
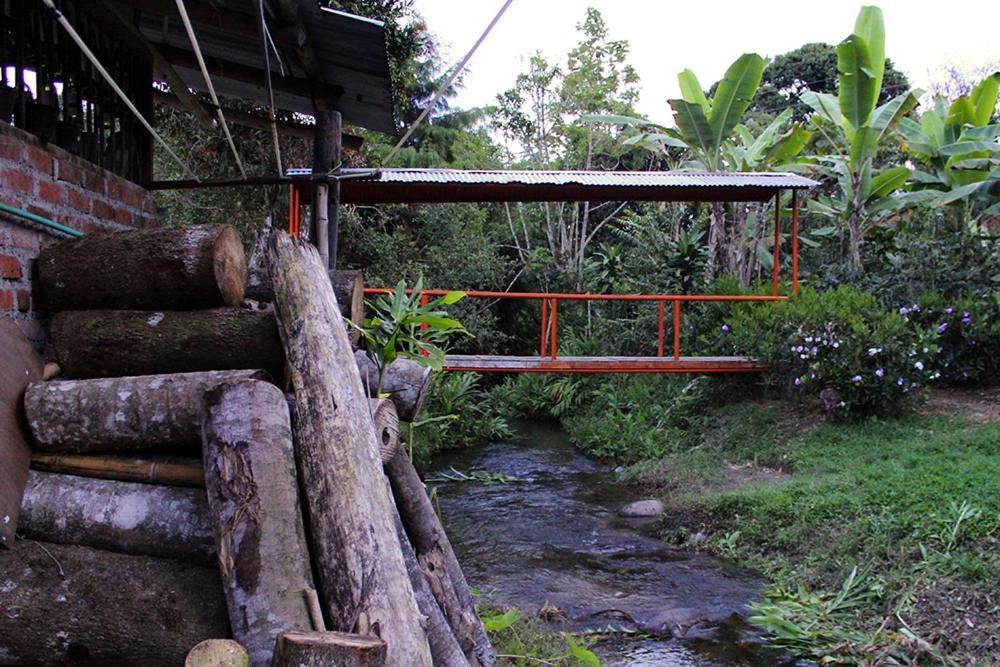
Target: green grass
913, 503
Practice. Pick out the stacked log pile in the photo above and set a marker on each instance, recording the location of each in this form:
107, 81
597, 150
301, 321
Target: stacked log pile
177, 494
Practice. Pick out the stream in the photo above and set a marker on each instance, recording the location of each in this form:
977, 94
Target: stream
555, 538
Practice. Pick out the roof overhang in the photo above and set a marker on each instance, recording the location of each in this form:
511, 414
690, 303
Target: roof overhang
349, 52
438, 186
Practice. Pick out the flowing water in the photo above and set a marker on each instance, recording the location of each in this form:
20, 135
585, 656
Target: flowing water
555, 539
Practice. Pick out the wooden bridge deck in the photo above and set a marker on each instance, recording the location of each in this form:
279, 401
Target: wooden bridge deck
536, 364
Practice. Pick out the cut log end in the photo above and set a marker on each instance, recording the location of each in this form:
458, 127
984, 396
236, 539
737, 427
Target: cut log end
230, 266
386, 427
217, 653
313, 649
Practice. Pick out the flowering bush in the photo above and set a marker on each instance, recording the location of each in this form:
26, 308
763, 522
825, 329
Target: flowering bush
967, 335
841, 346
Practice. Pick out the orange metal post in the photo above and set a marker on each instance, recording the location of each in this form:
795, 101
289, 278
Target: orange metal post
777, 240
677, 330
424, 300
795, 242
545, 326
659, 345
555, 326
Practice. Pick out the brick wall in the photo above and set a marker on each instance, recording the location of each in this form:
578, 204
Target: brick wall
46, 180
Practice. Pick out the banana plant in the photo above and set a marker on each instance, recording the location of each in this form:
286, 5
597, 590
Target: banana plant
856, 128
959, 153
703, 128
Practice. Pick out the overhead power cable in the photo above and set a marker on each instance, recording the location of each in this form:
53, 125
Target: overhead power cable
208, 83
114, 85
450, 79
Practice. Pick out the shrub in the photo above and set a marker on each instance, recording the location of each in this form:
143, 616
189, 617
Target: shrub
967, 333
841, 346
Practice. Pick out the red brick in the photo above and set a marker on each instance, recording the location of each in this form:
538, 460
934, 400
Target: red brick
79, 200
6, 299
43, 211
23, 300
17, 180
125, 192
10, 149
10, 267
24, 239
52, 192
69, 171
94, 181
123, 216
39, 158
102, 210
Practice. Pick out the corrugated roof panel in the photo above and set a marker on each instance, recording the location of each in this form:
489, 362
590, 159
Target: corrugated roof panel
597, 178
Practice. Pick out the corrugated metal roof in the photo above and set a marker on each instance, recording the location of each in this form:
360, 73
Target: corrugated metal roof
350, 51
450, 185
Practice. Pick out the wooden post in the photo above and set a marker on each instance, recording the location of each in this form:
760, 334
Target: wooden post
357, 555
326, 200
254, 501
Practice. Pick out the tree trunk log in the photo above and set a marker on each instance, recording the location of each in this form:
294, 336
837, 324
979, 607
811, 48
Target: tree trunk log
326, 649
386, 427
122, 413
165, 521
75, 605
217, 653
438, 559
151, 469
109, 343
359, 562
348, 287
180, 268
254, 502
406, 382
445, 650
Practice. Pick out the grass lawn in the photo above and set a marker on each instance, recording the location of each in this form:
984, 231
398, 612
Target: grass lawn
912, 504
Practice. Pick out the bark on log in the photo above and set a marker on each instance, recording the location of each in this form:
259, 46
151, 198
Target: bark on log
348, 287
217, 653
165, 521
323, 649
406, 382
359, 562
181, 268
438, 559
109, 343
254, 502
123, 413
445, 650
151, 469
386, 427
76, 605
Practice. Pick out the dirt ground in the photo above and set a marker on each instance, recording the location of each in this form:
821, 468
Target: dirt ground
979, 405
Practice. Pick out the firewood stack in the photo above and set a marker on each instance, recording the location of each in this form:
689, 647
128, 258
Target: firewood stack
177, 494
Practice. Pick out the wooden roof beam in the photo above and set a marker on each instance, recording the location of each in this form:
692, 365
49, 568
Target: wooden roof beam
119, 24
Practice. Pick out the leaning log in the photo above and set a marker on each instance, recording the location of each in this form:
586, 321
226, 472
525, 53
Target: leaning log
254, 502
149, 469
362, 577
67, 605
348, 287
109, 343
406, 382
166, 521
122, 413
436, 556
386, 427
179, 268
323, 649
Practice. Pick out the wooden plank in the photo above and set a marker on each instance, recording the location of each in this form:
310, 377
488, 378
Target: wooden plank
535, 364
19, 366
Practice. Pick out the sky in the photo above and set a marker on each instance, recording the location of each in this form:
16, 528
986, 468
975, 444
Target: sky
706, 36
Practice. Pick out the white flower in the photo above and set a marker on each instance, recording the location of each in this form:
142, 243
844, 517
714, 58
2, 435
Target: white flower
872, 351
919, 365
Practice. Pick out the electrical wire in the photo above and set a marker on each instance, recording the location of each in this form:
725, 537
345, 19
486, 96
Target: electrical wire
208, 82
450, 79
114, 85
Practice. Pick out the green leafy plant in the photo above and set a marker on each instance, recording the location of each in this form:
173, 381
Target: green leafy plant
474, 476
402, 326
